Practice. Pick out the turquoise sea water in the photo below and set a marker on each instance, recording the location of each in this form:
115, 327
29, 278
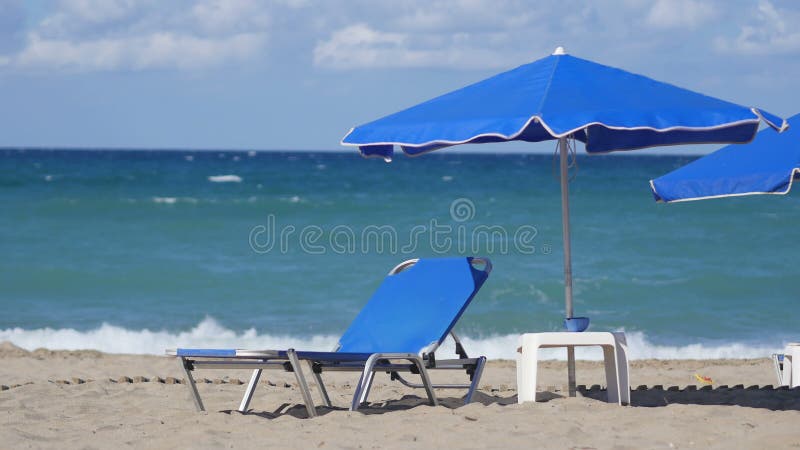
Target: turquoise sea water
136, 251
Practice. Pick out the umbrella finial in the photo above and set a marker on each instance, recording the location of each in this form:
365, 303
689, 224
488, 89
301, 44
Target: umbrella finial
559, 51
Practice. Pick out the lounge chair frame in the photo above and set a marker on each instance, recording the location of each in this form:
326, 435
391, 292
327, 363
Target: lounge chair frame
391, 363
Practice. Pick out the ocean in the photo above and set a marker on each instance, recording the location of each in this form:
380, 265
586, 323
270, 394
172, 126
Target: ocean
137, 251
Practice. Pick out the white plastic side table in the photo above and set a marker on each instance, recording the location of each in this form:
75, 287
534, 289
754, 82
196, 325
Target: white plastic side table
615, 355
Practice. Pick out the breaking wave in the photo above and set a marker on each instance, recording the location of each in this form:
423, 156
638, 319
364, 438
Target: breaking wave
210, 334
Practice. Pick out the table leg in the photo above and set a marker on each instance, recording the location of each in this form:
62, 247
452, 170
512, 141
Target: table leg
527, 365
623, 368
612, 378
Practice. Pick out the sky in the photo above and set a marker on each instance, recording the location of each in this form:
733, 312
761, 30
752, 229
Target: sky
298, 74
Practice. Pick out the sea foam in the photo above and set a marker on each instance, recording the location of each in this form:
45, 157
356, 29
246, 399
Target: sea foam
211, 334
167, 200
173, 200
225, 179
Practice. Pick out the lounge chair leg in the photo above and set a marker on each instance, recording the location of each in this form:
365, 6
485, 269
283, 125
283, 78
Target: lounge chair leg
251, 388
366, 374
301, 381
423, 373
191, 384
322, 391
367, 386
476, 378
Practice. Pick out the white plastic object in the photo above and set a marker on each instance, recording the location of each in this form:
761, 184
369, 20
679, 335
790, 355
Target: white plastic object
615, 355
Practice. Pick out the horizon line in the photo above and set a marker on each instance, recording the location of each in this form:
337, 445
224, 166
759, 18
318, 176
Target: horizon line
654, 151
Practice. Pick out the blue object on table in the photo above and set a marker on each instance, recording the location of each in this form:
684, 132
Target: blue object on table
576, 323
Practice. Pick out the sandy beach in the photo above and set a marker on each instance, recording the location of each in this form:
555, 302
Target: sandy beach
87, 399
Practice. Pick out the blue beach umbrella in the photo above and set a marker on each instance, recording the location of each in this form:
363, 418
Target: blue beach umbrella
767, 166
561, 97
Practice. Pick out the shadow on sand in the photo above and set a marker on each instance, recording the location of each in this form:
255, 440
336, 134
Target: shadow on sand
376, 408
766, 397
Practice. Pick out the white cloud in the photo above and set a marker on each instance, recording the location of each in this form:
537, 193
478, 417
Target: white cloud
680, 13
98, 10
227, 15
347, 34
360, 46
155, 50
86, 35
80, 16
476, 16
493, 34
295, 4
458, 34
768, 34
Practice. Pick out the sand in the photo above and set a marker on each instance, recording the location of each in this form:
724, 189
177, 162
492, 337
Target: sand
87, 399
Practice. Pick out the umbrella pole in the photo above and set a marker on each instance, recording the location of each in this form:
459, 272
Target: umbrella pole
563, 151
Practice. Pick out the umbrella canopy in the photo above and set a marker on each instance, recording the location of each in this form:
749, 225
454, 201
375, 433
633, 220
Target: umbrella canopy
561, 97
767, 166
606, 108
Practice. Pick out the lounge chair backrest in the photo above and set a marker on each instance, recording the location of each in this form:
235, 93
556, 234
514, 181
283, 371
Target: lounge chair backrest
413, 310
